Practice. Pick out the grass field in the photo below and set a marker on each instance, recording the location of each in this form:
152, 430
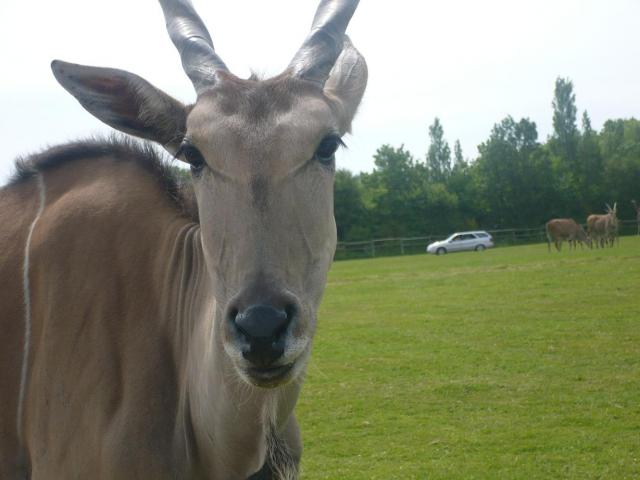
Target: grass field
511, 363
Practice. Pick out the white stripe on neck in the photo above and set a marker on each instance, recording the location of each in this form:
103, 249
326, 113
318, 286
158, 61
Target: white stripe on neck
27, 312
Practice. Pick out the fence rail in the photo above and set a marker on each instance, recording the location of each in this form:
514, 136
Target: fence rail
381, 247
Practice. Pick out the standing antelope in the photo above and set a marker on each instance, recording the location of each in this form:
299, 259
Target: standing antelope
603, 229
146, 339
560, 229
637, 209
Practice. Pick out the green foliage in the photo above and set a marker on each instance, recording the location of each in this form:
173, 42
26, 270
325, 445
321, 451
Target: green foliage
458, 158
514, 363
439, 154
620, 146
591, 177
398, 198
565, 136
350, 211
508, 172
401, 186
515, 181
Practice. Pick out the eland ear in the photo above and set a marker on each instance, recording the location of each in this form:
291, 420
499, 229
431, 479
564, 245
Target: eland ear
347, 83
125, 102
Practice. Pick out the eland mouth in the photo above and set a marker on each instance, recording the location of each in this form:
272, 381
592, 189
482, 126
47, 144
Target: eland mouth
270, 377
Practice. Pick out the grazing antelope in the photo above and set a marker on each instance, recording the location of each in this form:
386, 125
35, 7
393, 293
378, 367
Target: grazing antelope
150, 333
560, 229
637, 209
603, 229
573, 244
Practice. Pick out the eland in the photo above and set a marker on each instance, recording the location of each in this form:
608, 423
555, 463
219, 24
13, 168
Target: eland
152, 330
560, 229
603, 229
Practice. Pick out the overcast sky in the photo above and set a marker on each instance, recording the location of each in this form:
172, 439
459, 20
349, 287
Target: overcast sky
469, 62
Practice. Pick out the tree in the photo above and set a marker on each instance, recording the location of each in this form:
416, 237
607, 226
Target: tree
620, 147
393, 187
565, 130
458, 159
590, 177
349, 208
587, 130
514, 174
439, 153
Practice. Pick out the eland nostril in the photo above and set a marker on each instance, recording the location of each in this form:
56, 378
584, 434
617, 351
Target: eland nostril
263, 326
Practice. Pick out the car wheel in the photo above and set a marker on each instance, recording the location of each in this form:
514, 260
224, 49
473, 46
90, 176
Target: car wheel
441, 251
480, 248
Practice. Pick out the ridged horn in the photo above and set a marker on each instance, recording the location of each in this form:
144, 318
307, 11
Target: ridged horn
194, 44
319, 52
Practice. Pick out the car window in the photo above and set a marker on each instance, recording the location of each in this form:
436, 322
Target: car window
482, 235
457, 238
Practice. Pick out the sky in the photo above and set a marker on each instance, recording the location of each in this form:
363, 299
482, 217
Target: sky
468, 62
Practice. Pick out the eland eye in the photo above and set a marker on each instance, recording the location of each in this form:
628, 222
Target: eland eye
325, 153
192, 156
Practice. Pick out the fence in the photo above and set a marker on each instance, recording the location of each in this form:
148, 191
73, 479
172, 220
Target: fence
384, 247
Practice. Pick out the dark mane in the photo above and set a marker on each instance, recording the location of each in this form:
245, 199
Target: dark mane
119, 147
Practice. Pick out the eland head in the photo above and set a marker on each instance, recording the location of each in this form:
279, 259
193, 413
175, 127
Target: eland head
261, 154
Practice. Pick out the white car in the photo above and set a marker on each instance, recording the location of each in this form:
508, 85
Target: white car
477, 240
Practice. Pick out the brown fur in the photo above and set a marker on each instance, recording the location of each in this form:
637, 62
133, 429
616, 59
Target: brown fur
560, 229
77, 390
603, 229
14, 225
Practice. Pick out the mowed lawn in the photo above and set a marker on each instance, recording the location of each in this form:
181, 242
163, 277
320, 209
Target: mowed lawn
511, 363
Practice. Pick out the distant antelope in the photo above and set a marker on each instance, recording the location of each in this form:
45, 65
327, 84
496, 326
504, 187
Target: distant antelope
637, 209
154, 333
603, 229
560, 229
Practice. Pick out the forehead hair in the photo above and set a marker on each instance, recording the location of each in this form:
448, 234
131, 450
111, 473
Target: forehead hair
257, 100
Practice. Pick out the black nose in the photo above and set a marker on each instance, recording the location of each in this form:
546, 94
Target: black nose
263, 326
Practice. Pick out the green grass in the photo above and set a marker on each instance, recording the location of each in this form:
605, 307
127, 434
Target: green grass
511, 363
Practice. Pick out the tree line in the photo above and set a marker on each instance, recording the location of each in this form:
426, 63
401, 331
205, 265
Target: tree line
515, 181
